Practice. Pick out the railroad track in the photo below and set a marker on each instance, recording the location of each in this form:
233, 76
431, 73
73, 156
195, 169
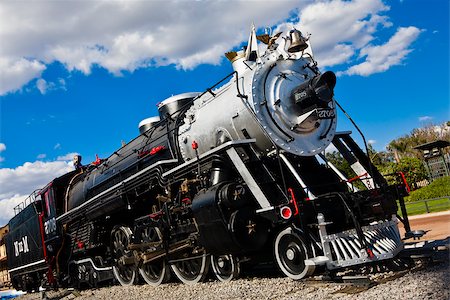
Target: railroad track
417, 256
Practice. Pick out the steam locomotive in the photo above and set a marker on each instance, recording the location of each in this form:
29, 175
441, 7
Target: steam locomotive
230, 176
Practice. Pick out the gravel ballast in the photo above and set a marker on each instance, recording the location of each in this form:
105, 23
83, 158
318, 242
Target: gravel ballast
431, 282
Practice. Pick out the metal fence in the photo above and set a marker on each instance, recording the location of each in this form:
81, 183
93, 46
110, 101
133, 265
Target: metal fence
428, 205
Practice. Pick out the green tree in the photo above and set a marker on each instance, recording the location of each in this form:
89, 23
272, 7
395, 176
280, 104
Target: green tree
339, 162
399, 147
404, 146
412, 168
380, 158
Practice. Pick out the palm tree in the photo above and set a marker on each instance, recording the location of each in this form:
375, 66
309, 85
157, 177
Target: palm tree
399, 147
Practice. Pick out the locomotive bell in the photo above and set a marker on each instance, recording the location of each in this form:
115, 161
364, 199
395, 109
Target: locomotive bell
298, 42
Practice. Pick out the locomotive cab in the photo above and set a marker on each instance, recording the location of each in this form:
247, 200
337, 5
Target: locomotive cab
25, 248
35, 237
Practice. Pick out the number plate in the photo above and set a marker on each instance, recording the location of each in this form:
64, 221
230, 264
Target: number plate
326, 113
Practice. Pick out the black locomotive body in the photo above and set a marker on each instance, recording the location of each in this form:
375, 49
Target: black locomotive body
231, 175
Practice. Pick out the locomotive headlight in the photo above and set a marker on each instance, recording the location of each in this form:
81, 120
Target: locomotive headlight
315, 93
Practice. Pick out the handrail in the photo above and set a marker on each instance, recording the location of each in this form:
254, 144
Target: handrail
25, 203
362, 135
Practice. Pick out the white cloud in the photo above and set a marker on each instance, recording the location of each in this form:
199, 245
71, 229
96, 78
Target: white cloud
425, 118
8, 204
392, 53
340, 28
125, 35
44, 86
41, 156
17, 183
57, 146
2, 148
14, 73
371, 142
336, 55
67, 157
62, 85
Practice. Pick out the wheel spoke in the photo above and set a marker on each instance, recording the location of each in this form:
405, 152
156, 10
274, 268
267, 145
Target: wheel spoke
193, 270
125, 274
155, 272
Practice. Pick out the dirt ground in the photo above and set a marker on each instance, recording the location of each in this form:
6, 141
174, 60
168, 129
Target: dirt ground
438, 224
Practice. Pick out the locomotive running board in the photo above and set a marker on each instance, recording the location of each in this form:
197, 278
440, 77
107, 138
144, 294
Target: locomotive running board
42, 261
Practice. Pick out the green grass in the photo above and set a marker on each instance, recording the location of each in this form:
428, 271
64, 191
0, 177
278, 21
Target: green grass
417, 208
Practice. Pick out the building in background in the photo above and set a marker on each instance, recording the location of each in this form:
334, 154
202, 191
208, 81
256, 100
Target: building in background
4, 275
437, 162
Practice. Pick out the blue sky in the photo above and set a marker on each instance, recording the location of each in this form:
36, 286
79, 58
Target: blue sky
77, 77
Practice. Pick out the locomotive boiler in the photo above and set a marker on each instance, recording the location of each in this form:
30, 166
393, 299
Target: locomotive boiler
230, 176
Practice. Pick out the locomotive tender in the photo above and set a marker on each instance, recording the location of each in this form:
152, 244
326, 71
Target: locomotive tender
233, 175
